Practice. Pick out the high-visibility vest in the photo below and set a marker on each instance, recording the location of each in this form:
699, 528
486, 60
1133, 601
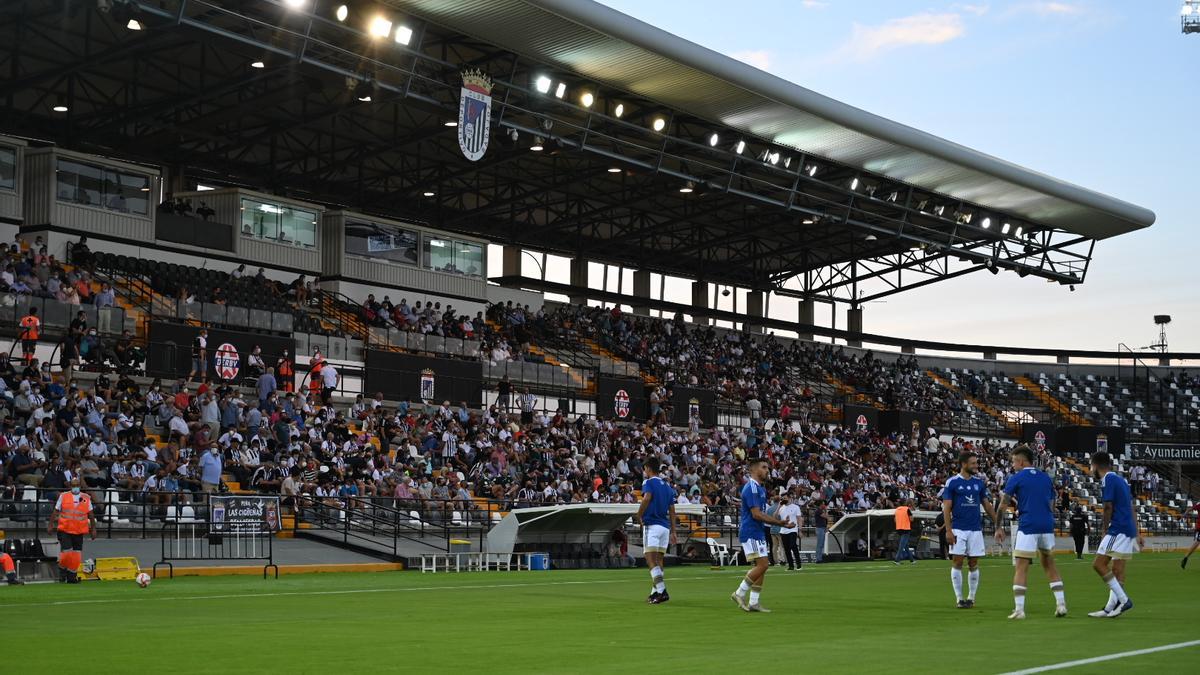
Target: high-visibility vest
73, 516
30, 324
903, 518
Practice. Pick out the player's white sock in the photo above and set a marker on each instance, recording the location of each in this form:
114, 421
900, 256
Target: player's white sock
973, 582
754, 591
956, 582
1114, 587
1060, 596
1112, 601
744, 587
1019, 597
656, 574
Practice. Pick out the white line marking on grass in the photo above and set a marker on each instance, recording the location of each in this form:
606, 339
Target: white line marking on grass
408, 589
1106, 657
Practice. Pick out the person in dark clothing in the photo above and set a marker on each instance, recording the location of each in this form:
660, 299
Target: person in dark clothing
1079, 531
943, 546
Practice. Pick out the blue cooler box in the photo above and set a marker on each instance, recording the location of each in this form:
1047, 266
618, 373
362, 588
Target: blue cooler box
539, 561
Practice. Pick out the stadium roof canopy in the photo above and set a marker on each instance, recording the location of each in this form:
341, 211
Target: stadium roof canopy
750, 180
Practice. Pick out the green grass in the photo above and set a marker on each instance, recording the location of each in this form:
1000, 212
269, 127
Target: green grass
833, 618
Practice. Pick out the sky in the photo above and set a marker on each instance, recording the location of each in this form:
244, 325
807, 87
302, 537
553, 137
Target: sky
1101, 93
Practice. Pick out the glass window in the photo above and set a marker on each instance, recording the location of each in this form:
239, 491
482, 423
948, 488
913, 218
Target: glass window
469, 258
298, 227
439, 254
88, 185
260, 219
381, 241
8, 168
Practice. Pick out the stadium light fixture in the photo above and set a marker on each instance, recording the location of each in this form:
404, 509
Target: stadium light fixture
714, 139
773, 158
688, 187
542, 84
1019, 229
614, 169
403, 35
538, 144
987, 222
740, 147
295, 4
587, 99
134, 24
787, 163
450, 123
428, 193
258, 64
619, 110
659, 124
380, 27
812, 170
1005, 228
854, 184
561, 90
60, 107
341, 13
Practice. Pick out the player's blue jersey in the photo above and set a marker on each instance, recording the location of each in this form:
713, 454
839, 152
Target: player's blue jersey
1034, 492
1116, 491
662, 496
753, 495
966, 496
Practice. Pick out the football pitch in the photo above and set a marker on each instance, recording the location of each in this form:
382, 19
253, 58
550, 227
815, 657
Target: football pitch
838, 618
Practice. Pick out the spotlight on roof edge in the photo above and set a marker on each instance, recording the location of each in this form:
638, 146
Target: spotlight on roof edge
258, 64
403, 35
614, 169
740, 147
659, 124
427, 193
812, 170
987, 222
134, 24
688, 187
537, 144
341, 13
380, 27
295, 4
619, 110
713, 140
854, 184
543, 84
561, 90
1005, 228
1019, 229
587, 99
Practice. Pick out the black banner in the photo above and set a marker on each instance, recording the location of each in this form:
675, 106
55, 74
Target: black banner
621, 398
908, 422
243, 513
1040, 437
424, 378
1086, 440
170, 351
1162, 452
860, 417
688, 402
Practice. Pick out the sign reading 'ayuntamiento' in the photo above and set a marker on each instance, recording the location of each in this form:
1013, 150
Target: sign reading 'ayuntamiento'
1162, 452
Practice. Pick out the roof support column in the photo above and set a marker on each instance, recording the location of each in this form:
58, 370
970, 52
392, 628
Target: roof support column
641, 289
700, 301
579, 279
510, 261
854, 325
755, 301
806, 317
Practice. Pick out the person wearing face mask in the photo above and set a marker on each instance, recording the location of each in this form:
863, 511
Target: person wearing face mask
210, 470
72, 518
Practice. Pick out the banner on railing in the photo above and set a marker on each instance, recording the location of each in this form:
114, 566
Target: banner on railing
423, 378
1086, 440
170, 350
1162, 452
243, 514
621, 398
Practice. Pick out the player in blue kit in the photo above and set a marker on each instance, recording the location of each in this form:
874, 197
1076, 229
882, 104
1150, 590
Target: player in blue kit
1033, 492
1120, 530
962, 498
657, 516
754, 537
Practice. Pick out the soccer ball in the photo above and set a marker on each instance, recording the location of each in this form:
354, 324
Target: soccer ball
142, 579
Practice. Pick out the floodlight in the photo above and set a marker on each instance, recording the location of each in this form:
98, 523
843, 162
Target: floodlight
619, 110
741, 145
561, 90
659, 124
543, 84
403, 35
587, 99
341, 13
1005, 228
295, 4
688, 187
987, 222
854, 184
380, 27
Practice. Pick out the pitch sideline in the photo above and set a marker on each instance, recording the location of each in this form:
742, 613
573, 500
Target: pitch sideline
1106, 657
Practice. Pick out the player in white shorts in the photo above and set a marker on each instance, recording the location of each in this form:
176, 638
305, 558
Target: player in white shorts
964, 495
1120, 530
657, 516
1033, 492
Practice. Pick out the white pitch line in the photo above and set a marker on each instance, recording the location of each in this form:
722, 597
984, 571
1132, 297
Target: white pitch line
402, 589
1106, 657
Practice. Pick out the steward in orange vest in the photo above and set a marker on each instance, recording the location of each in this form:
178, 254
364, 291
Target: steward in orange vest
73, 518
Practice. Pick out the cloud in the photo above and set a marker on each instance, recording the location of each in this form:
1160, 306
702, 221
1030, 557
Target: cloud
1047, 8
814, 4
919, 29
759, 58
977, 10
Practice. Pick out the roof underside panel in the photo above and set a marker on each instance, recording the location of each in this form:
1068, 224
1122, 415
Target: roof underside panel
596, 42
